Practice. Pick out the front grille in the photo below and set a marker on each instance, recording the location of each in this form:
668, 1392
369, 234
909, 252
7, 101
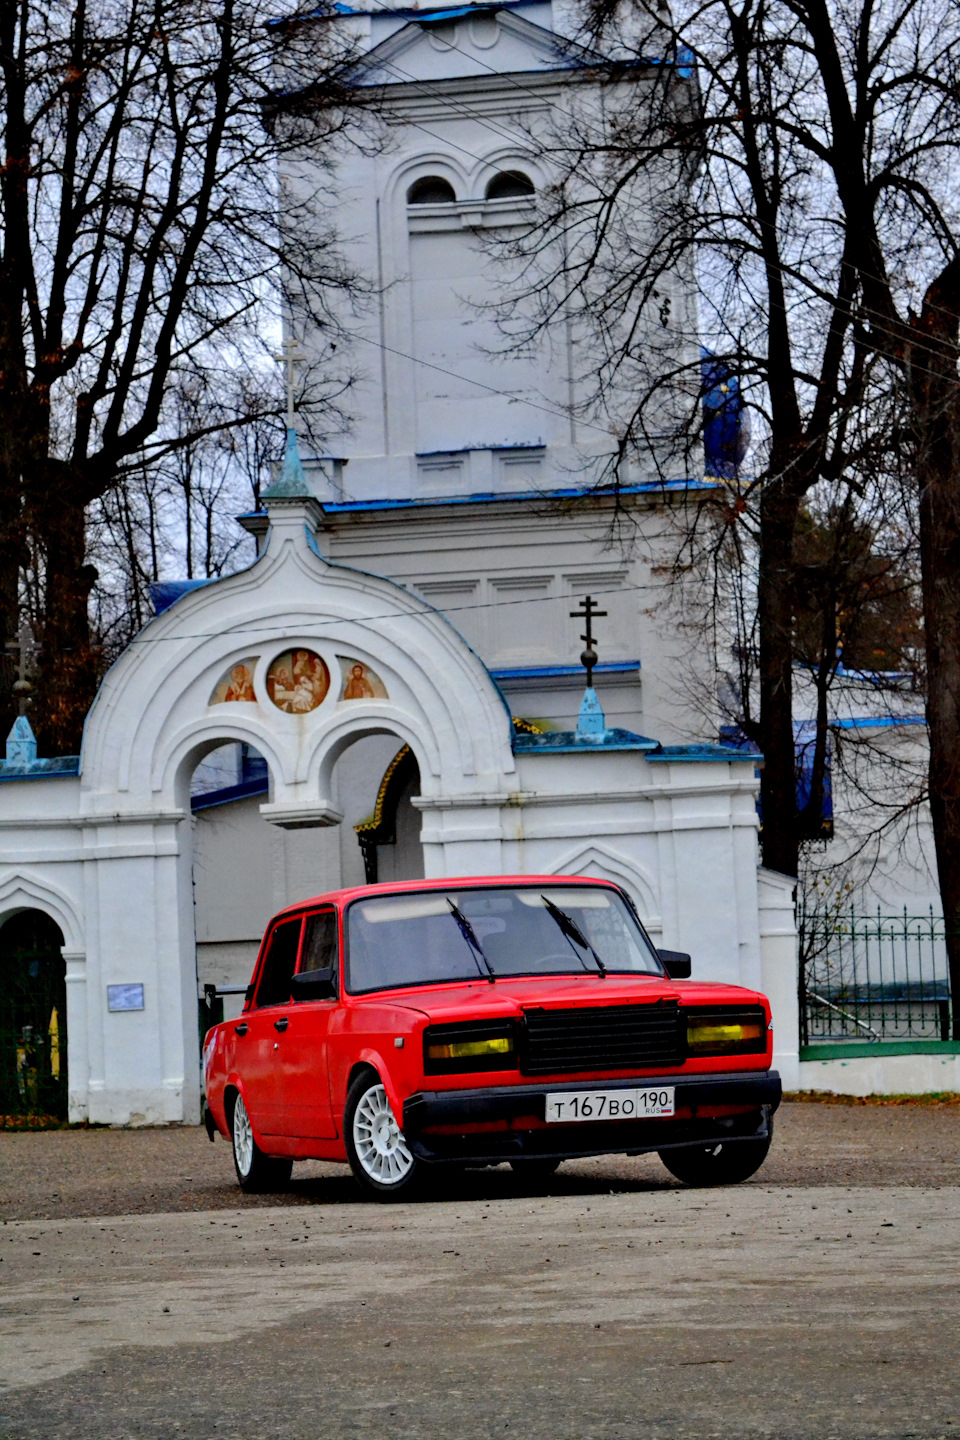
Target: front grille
608, 1037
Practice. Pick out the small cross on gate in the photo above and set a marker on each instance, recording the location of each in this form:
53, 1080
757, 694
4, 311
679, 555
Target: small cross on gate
588, 612
25, 649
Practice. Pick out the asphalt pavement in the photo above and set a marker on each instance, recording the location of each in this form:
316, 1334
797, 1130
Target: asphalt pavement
143, 1296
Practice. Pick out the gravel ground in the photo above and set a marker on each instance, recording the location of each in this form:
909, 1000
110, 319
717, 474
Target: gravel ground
142, 1297
54, 1174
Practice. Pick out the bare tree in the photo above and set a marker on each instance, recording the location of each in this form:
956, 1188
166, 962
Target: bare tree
140, 253
177, 517
691, 203
891, 84
713, 171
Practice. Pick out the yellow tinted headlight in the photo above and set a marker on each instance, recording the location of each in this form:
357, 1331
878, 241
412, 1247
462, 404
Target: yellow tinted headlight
721, 1034
469, 1045
714, 1033
470, 1049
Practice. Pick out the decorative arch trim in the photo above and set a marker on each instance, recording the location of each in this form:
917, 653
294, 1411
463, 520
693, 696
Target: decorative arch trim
380, 828
195, 739
24, 891
608, 864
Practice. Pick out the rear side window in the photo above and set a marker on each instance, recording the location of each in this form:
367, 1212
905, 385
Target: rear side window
279, 964
320, 942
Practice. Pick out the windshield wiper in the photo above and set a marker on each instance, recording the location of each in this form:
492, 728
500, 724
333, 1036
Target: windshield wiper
573, 932
469, 934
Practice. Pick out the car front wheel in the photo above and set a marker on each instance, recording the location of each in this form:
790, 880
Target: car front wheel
255, 1171
376, 1149
722, 1164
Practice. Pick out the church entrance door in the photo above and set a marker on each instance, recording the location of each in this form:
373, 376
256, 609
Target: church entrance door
33, 1018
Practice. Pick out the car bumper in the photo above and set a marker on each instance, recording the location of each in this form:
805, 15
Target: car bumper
503, 1123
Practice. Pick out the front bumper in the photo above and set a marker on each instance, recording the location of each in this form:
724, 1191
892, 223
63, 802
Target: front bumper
442, 1125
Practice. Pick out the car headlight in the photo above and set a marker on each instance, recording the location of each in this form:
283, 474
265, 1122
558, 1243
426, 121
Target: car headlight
726, 1032
473, 1045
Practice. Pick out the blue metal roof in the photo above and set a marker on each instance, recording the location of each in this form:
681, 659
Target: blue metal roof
164, 593
547, 672
403, 11
563, 742
701, 753
486, 497
55, 768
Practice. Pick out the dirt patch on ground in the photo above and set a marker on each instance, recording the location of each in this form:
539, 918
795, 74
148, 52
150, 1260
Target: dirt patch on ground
60, 1173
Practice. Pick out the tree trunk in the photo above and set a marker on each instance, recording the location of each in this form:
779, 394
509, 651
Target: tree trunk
778, 786
69, 668
11, 556
935, 396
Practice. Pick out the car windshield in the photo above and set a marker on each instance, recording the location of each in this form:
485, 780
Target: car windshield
437, 935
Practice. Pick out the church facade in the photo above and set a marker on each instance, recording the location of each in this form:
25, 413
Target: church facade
393, 687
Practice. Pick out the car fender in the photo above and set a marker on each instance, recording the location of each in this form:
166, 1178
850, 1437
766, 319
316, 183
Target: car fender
233, 1082
370, 1056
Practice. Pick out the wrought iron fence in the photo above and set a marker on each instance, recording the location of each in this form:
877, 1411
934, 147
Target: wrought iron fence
873, 977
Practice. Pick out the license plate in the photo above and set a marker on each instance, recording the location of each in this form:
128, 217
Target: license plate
572, 1105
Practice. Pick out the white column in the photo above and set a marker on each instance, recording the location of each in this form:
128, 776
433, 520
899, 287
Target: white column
141, 933
77, 1058
779, 959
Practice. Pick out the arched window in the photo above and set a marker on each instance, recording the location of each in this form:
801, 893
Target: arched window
508, 185
431, 190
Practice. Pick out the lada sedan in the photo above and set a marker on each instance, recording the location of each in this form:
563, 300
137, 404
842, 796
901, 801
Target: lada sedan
408, 1027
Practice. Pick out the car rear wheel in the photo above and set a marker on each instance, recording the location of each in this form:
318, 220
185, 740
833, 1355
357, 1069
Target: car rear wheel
376, 1149
723, 1164
256, 1172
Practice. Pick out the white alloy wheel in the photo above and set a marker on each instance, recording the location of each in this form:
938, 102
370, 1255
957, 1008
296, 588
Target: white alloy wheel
378, 1141
243, 1142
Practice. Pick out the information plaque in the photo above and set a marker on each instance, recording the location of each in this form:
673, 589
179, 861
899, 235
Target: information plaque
124, 997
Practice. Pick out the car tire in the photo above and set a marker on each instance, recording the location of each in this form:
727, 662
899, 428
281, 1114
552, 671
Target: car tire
376, 1148
256, 1172
534, 1167
703, 1165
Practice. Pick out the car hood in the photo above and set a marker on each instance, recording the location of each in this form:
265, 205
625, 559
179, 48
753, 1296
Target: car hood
510, 997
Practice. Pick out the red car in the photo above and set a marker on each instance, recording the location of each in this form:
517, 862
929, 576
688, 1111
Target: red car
449, 1022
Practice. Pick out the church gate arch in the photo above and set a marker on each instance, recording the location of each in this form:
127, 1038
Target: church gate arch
292, 621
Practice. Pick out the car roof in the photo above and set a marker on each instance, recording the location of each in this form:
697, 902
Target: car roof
448, 882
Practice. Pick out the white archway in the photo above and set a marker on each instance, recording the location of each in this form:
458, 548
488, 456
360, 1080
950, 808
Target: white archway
153, 716
163, 706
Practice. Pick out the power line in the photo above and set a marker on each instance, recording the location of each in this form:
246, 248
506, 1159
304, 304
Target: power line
146, 639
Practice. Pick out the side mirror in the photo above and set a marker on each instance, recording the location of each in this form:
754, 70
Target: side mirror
676, 963
315, 985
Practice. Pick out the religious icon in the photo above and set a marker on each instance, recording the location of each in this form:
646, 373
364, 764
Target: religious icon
359, 681
236, 683
298, 681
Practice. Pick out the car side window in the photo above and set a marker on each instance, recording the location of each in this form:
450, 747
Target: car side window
279, 963
320, 942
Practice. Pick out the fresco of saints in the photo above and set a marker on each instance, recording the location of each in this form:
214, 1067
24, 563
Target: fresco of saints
236, 683
358, 687
360, 682
241, 684
298, 681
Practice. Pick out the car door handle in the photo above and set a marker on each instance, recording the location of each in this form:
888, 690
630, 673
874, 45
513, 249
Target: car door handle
282, 1023
241, 1029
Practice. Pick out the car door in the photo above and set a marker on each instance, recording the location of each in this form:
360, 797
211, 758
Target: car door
306, 1111
261, 1029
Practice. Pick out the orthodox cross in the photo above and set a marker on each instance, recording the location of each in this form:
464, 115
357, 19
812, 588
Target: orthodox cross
25, 649
588, 612
291, 354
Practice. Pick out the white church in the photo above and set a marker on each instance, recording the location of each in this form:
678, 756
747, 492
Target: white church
393, 688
